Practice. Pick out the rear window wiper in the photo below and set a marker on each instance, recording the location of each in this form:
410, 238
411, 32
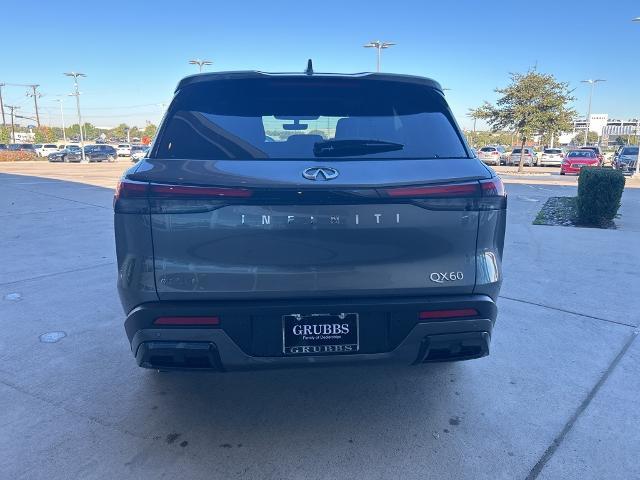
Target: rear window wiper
345, 148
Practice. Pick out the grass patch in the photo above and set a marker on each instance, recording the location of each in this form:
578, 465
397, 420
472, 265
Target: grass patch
563, 211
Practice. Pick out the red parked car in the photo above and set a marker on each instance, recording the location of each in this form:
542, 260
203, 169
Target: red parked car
597, 151
576, 159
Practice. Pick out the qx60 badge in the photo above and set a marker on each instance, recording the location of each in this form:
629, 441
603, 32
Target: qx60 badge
320, 173
441, 277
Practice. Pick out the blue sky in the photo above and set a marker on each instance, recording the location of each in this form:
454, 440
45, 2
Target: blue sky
135, 53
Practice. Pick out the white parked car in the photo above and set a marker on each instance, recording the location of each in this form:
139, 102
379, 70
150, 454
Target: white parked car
44, 149
138, 152
551, 156
124, 150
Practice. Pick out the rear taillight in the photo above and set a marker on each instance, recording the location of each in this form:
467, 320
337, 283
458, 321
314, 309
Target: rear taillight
189, 191
452, 190
456, 313
131, 197
483, 195
142, 197
187, 321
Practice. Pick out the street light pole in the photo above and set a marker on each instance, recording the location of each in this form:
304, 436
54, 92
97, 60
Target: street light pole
64, 134
200, 63
378, 45
592, 82
76, 94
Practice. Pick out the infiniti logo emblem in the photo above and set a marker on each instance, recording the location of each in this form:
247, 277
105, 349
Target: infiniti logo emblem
320, 173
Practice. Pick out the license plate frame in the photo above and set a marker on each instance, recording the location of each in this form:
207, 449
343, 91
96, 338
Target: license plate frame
325, 335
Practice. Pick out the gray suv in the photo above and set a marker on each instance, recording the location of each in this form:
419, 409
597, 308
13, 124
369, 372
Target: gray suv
285, 220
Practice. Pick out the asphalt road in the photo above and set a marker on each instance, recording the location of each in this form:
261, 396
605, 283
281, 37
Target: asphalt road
557, 398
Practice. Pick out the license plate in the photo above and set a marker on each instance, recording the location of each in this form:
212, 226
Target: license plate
320, 334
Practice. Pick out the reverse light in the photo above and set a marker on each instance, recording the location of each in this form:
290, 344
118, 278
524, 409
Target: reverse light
456, 313
187, 321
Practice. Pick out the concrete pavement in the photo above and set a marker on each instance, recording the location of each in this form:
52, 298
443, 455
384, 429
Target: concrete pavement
557, 398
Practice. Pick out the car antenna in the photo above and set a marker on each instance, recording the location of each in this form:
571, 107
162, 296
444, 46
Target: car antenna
309, 70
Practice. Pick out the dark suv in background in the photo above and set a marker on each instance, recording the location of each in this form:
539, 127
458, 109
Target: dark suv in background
285, 220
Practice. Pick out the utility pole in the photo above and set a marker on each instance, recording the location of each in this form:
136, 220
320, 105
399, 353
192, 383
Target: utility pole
4, 123
13, 128
379, 46
35, 96
76, 94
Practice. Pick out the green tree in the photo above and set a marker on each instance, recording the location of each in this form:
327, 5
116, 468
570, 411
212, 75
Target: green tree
44, 135
5, 135
592, 137
533, 103
120, 131
150, 130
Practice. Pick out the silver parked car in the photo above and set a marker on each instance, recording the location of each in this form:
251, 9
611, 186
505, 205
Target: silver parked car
529, 157
551, 156
360, 230
492, 155
626, 159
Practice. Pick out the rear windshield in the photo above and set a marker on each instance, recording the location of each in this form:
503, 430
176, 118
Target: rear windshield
50, 146
488, 149
629, 151
553, 151
582, 154
293, 118
518, 150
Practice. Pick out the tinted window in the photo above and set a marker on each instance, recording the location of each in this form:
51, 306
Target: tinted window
287, 118
582, 154
487, 149
518, 150
629, 151
553, 151
50, 146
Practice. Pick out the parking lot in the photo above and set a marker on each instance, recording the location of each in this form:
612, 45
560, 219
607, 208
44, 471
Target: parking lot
557, 397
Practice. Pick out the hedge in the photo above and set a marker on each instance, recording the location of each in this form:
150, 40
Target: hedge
17, 156
599, 194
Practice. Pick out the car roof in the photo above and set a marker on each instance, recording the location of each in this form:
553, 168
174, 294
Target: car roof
248, 74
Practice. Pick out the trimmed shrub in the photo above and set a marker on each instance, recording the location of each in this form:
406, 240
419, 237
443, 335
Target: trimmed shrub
599, 194
17, 156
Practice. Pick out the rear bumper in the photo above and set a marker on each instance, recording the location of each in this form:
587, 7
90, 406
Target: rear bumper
250, 337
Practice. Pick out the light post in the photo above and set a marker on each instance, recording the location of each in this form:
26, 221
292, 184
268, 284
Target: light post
64, 134
76, 94
200, 63
636, 174
592, 82
379, 46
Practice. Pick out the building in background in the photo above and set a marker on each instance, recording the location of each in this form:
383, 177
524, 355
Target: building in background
608, 129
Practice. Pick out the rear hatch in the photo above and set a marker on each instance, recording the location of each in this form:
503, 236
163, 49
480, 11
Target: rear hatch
301, 187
